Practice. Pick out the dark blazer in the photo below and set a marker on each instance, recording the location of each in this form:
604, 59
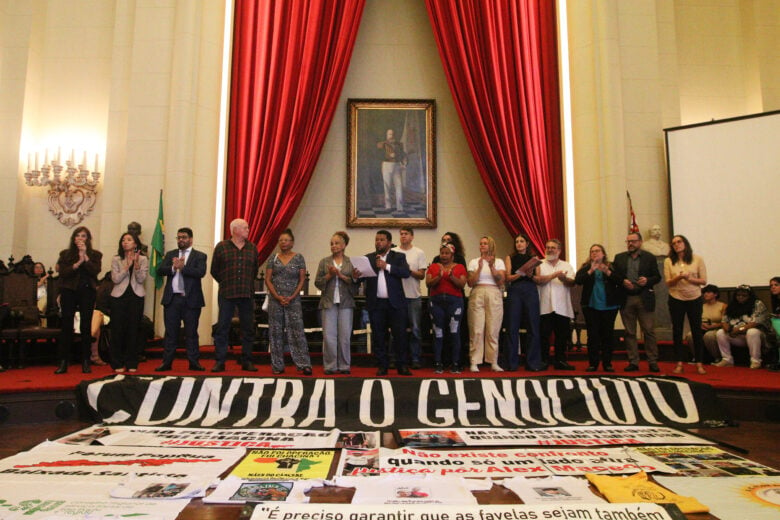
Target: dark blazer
648, 267
612, 285
193, 271
399, 269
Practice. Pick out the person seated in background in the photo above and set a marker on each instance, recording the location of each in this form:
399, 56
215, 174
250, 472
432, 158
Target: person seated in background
745, 323
39, 270
774, 295
711, 320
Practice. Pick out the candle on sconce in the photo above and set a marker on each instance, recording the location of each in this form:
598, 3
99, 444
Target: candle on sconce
96, 162
46, 160
36, 161
72, 156
59, 155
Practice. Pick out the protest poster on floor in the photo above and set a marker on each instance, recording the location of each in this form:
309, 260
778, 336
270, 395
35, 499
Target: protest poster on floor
559, 436
284, 464
463, 512
250, 438
505, 462
235, 490
40, 499
57, 462
552, 490
705, 461
748, 498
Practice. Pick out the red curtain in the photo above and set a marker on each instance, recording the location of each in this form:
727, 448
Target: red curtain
501, 62
289, 64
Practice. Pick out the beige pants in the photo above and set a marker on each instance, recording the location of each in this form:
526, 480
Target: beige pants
486, 311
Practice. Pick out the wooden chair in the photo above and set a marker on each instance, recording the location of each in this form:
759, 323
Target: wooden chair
24, 329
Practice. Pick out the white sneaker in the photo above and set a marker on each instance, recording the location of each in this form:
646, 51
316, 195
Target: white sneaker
473, 368
755, 364
723, 363
496, 368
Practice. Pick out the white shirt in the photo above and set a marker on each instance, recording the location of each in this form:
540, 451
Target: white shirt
381, 282
554, 296
485, 276
178, 279
415, 257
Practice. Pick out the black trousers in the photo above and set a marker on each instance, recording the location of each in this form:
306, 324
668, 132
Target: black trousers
553, 323
601, 335
83, 300
679, 309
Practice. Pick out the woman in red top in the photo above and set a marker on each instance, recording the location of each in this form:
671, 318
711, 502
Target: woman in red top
445, 280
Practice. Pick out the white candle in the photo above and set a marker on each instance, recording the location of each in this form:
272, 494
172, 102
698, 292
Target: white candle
72, 156
36, 161
29, 162
59, 155
46, 160
96, 162
84, 160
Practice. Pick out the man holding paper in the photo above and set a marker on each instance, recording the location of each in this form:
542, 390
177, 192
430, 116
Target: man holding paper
382, 271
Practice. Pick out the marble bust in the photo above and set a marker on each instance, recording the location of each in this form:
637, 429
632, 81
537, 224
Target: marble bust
654, 244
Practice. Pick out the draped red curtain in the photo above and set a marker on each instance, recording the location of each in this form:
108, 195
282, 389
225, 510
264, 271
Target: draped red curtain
501, 62
289, 64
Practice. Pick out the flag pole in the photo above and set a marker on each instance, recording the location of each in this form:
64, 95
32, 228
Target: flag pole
157, 253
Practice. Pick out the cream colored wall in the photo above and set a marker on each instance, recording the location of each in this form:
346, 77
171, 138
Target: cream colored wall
139, 81
641, 66
395, 57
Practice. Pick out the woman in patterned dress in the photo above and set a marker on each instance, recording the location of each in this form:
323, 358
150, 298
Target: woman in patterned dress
285, 274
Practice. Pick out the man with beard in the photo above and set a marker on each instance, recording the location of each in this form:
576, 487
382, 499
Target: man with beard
639, 271
386, 303
555, 280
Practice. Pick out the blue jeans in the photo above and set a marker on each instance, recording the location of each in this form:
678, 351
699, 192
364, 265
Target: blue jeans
446, 315
414, 306
524, 310
246, 317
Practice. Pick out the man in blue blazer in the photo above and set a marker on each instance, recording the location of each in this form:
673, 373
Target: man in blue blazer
386, 302
182, 298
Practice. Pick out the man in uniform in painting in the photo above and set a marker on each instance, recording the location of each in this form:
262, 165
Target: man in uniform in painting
393, 165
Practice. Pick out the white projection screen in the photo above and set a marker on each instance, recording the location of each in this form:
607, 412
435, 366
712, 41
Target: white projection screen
724, 185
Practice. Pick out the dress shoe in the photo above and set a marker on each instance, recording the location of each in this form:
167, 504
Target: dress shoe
306, 371
654, 367
277, 371
404, 371
330, 372
563, 365
536, 369
219, 366
381, 372
248, 366
608, 368
631, 368
165, 367
591, 368
62, 368
416, 365
345, 372
197, 367
86, 367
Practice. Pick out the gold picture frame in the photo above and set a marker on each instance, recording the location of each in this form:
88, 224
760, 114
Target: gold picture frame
391, 163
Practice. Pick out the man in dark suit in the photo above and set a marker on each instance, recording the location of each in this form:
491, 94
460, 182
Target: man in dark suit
386, 303
182, 298
638, 270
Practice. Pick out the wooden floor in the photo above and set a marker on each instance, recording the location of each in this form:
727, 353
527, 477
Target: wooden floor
753, 440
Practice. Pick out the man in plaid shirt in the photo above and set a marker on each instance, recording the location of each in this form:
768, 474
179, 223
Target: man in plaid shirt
234, 267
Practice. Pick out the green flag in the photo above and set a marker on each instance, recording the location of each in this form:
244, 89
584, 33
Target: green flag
158, 246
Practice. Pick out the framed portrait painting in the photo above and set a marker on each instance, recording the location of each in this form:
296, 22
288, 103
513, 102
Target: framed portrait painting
391, 163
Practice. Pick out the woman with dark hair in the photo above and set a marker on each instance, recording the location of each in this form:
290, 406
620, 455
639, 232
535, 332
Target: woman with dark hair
337, 304
745, 324
453, 238
600, 301
774, 291
285, 274
78, 266
129, 269
523, 304
711, 319
445, 280
685, 274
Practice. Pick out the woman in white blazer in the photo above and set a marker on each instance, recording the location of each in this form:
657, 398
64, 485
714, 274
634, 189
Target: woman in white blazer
129, 269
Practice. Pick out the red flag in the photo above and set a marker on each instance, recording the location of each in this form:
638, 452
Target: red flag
632, 225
